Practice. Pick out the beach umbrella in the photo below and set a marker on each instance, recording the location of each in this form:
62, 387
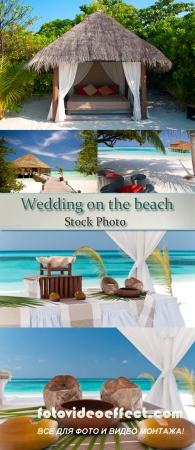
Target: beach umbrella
163, 347
138, 245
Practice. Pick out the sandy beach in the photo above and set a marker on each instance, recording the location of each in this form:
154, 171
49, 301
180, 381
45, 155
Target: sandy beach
83, 185
163, 172
164, 113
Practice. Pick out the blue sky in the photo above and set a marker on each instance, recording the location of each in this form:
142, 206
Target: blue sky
166, 136
55, 148
71, 240
47, 11
83, 353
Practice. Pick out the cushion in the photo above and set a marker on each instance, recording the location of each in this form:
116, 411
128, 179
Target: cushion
131, 188
80, 91
90, 89
105, 90
113, 175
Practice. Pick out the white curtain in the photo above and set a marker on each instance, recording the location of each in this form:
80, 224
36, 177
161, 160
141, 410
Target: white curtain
133, 76
67, 73
163, 347
115, 71
138, 245
82, 70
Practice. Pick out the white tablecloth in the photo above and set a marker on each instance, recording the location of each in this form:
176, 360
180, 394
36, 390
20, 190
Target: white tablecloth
103, 313
117, 313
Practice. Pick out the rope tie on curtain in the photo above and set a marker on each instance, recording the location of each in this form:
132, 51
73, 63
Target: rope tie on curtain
164, 373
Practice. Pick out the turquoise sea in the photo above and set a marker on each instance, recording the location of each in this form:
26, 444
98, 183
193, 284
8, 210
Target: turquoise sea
34, 387
139, 152
15, 265
72, 175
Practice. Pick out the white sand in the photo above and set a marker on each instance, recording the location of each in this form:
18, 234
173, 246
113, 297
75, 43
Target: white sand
164, 114
163, 172
31, 186
85, 186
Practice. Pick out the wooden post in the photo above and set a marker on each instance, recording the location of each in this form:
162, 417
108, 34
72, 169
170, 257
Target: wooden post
55, 92
143, 92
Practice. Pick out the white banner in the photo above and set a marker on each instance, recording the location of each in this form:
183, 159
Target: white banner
97, 211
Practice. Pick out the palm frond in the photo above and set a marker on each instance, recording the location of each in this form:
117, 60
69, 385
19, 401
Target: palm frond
147, 375
153, 138
96, 260
102, 296
20, 412
161, 268
7, 301
187, 379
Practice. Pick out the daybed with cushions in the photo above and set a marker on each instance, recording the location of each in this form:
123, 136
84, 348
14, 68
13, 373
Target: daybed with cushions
97, 93
78, 104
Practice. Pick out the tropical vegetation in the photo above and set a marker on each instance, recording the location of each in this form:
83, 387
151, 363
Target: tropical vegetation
8, 170
168, 24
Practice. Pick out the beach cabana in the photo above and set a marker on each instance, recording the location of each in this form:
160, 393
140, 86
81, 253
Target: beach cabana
180, 146
99, 51
163, 347
29, 163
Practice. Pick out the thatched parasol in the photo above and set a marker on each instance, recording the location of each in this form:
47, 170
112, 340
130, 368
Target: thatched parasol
98, 37
31, 162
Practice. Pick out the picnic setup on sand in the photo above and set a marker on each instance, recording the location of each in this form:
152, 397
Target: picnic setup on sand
62, 302
109, 181
164, 348
99, 67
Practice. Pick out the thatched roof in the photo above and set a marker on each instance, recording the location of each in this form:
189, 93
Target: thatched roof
98, 37
30, 161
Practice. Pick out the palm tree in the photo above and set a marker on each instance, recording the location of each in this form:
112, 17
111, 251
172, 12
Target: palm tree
13, 81
188, 380
192, 142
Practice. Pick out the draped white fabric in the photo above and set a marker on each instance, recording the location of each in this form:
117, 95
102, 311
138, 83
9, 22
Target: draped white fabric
163, 347
138, 245
67, 73
116, 73
167, 312
44, 317
82, 71
133, 76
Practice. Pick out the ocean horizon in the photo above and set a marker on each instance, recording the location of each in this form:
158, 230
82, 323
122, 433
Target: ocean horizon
73, 175
27, 387
15, 265
141, 151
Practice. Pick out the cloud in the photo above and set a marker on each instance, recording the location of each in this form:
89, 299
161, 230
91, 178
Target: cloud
42, 360
17, 359
18, 367
13, 141
36, 151
56, 136
125, 361
95, 361
112, 359
68, 158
